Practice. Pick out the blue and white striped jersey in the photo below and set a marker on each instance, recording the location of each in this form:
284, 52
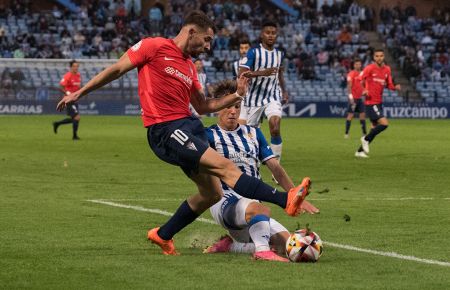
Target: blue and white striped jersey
236, 65
245, 146
263, 89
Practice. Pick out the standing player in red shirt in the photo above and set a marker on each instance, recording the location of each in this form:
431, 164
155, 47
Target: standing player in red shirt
70, 83
375, 77
167, 81
355, 102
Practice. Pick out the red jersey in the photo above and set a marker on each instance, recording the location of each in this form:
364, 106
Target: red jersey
71, 82
376, 79
166, 79
357, 89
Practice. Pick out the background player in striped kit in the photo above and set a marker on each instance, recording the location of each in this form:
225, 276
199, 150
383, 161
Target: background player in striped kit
355, 102
267, 92
247, 220
244, 46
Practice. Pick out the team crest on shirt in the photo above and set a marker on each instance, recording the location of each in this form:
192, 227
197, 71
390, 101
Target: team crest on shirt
250, 135
136, 46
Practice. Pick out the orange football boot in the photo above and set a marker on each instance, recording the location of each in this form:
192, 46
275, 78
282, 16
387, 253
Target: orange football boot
167, 247
296, 196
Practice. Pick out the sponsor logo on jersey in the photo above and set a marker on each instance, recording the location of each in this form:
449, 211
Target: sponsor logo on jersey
172, 71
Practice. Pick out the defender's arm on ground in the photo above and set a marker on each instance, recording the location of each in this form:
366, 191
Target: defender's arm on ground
286, 182
279, 173
109, 74
205, 105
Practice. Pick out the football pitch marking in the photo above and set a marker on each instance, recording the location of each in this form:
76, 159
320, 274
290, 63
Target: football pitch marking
330, 244
313, 199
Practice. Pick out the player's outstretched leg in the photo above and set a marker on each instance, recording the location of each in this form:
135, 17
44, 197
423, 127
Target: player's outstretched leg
61, 122
251, 187
209, 193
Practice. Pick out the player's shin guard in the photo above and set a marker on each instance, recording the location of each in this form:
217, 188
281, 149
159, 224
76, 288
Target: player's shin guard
276, 144
182, 217
363, 126
253, 188
259, 230
374, 132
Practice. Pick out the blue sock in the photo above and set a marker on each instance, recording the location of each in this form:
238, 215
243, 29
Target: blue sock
254, 188
276, 140
182, 217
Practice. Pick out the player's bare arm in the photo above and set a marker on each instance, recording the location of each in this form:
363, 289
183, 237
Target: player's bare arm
350, 95
205, 105
279, 173
109, 74
286, 182
285, 99
259, 73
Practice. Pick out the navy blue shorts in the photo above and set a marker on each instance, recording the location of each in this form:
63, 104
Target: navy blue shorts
72, 110
180, 142
357, 107
374, 112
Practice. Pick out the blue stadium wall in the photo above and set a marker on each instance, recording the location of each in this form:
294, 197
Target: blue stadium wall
299, 109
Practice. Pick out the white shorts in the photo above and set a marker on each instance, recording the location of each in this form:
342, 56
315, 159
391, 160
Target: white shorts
237, 225
254, 114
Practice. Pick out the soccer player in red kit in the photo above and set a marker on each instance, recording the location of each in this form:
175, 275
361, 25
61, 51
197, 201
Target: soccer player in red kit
355, 101
71, 82
375, 77
167, 81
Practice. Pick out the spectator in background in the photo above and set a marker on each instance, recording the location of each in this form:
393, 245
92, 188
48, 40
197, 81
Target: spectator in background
155, 16
344, 37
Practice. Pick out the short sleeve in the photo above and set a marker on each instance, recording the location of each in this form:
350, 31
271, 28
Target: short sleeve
249, 60
143, 51
210, 135
265, 152
365, 73
64, 80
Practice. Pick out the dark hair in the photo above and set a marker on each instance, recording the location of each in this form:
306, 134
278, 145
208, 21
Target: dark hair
244, 40
269, 24
72, 62
378, 50
199, 19
224, 88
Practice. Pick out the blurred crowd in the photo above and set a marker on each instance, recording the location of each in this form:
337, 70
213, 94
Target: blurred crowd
330, 36
421, 45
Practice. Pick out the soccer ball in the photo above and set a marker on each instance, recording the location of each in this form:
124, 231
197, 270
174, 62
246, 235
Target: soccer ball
304, 246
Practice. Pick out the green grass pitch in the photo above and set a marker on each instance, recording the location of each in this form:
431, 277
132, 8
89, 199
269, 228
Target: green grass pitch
53, 237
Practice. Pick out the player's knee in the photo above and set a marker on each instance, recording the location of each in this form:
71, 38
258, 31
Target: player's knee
255, 209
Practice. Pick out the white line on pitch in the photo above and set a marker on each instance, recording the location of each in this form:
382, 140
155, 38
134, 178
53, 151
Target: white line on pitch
151, 210
388, 254
313, 199
334, 245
